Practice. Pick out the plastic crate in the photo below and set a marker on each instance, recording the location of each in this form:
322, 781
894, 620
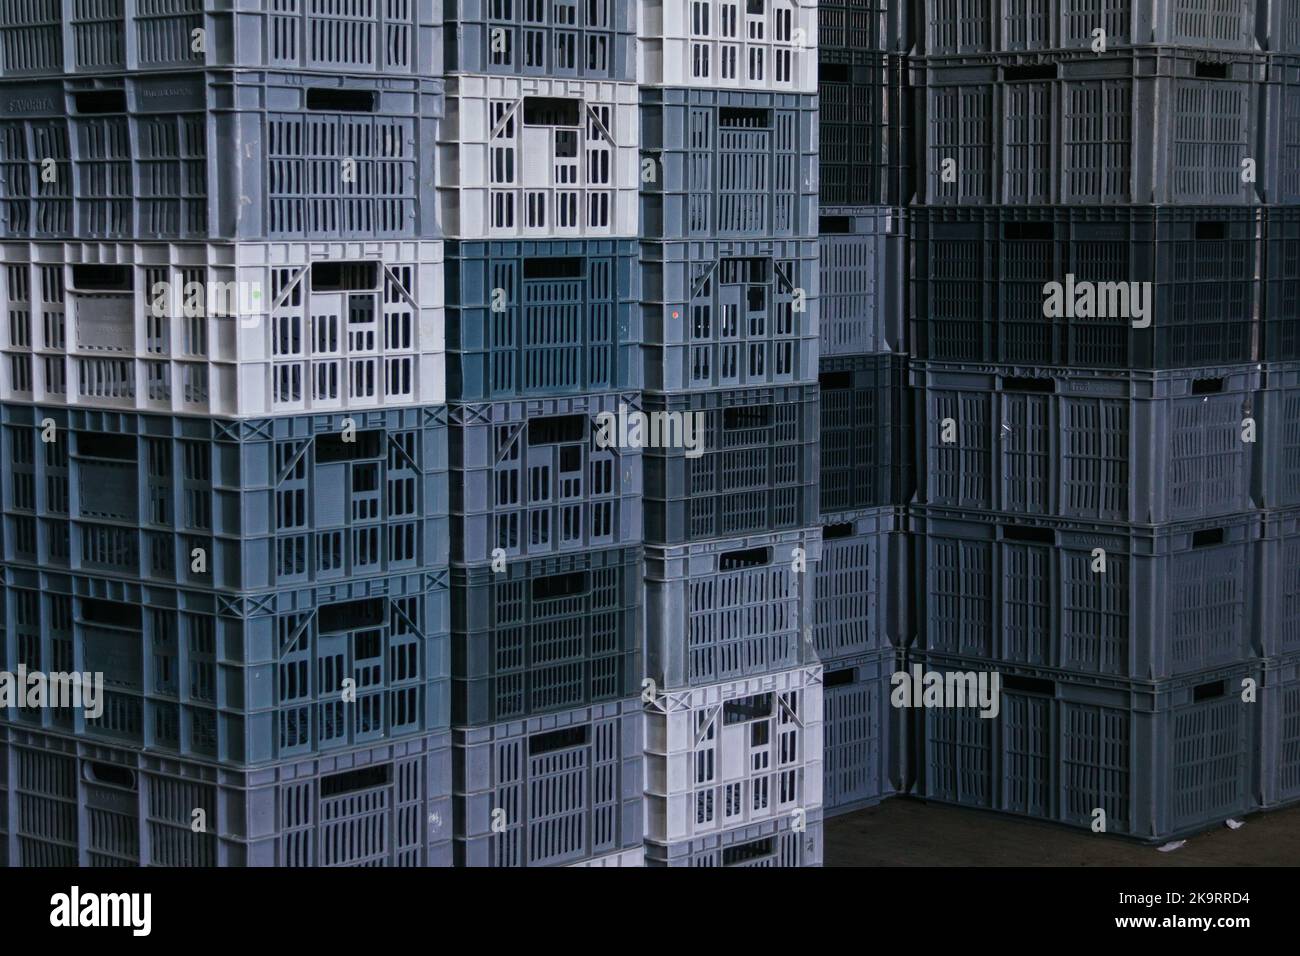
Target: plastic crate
846, 27
529, 319
545, 635
722, 44
724, 164
861, 297
1277, 462
240, 330
1172, 600
1145, 447
771, 843
1279, 587
52, 37
266, 672
864, 125
539, 158
543, 476
302, 156
1279, 700
593, 40
866, 433
551, 790
74, 803
861, 590
623, 859
1282, 130
978, 280
862, 733
754, 468
224, 505
729, 314
1281, 284
1152, 125
732, 609
1161, 760
732, 754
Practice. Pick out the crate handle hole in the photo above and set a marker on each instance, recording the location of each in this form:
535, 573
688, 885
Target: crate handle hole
749, 558
341, 101
1032, 535
837, 678
350, 781
1211, 71
1013, 383
105, 774
99, 102
1210, 691
557, 740
843, 529
1209, 386
1208, 537
94, 278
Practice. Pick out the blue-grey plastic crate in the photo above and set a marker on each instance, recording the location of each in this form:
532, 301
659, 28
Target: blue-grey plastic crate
1146, 447
866, 432
1149, 125
219, 155
729, 314
1172, 599
723, 610
1279, 587
544, 635
532, 319
1281, 177
225, 505
784, 842
847, 27
728, 164
1279, 702
752, 467
75, 803
864, 124
1277, 462
861, 593
53, 37
861, 295
862, 733
549, 790
979, 275
544, 476
239, 680
1161, 760
589, 40
1281, 282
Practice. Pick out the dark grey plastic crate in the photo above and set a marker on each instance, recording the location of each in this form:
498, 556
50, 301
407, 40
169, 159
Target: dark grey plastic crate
1146, 447
861, 295
568, 787
590, 40
866, 432
861, 594
1281, 282
978, 276
1277, 462
53, 37
728, 164
1279, 586
545, 635
73, 803
865, 129
1173, 599
783, 842
847, 27
237, 680
1161, 760
724, 610
225, 505
544, 476
219, 155
1144, 125
862, 733
755, 469
1279, 701
1282, 129
729, 314
532, 319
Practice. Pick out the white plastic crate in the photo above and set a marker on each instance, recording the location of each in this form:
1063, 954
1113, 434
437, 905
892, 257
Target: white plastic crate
227, 329
539, 158
729, 44
732, 754
624, 858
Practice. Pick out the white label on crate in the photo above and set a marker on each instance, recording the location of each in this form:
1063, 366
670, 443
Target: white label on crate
130, 910
945, 691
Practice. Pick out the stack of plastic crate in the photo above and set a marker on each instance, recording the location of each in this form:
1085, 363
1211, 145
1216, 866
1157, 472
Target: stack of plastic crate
733, 700
1105, 414
538, 185
223, 434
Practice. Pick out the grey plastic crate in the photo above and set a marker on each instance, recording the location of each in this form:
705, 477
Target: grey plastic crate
237, 680
862, 733
545, 635
74, 803
772, 843
568, 788
301, 156
978, 279
866, 432
864, 124
1151, 125
1146, 447
1282, 129
846, 27
728, 164
1279, 587
544, 476
861, 593
729, 314
729, 609
591, 40
861, 295
1281, 283
1279, 701
1173, 599
1277, 461
753, 470
225, 505
1161, 760
52, 37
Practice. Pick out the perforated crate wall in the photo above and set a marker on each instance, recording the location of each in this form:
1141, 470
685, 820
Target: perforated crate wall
866, 432
864, 126
862, 733
587, 39
1280, 732
847, 27
863, 267
772, 843
1281, 284
861, 585
1279, 583
1281, 180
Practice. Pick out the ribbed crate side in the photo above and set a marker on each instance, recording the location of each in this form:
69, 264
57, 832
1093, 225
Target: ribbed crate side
862, 261
1280, 752
225, 505
866, 433
786, 842
1280, 583
1277, 463
861, 733
594, 40
1281, 284
847, 27
857, 593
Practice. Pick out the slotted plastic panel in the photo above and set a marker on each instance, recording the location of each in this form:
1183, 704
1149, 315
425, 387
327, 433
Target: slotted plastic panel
862, 264
850, 26
1280, 583
588, 39
771, 843
1277, 466
866, 433
862, 128
858, 585
1281, 284
1280, 753
860, 734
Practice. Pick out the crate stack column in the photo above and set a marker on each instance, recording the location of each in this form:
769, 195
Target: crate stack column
1098, 196
730, 306
224, 438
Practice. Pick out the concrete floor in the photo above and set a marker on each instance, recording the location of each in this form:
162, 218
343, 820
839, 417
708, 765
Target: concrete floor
906, 832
